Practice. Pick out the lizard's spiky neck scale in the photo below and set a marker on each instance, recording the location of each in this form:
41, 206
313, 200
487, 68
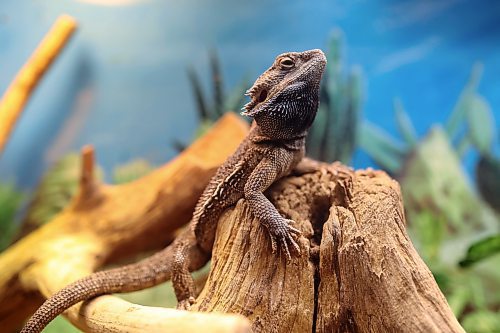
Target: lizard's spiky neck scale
285, 98
284, 103
256, 136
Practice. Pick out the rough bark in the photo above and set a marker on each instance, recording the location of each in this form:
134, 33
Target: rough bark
357, 271
104, 223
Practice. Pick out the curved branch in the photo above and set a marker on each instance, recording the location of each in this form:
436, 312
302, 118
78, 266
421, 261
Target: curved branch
16, 96
108, 222
357, 270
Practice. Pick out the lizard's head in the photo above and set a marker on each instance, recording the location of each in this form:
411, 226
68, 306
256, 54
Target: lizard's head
285, 98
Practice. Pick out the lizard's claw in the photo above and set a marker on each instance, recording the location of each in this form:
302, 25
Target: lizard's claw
185, 304
283, 233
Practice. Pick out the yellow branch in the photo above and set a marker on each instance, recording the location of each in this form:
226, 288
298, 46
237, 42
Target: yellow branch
16, 96
106, 222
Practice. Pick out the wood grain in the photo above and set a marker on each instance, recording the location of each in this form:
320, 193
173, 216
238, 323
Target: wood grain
104, 223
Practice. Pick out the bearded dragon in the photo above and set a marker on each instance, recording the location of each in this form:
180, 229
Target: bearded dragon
284, 102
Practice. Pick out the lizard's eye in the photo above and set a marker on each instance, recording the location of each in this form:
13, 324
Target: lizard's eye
286, 63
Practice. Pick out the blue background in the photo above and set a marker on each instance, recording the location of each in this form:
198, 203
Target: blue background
121, 85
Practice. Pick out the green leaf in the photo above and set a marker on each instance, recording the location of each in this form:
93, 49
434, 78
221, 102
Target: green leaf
334, 133
482, 249
477, 291
458, 115
10, 201
217, 85
131, 171
404, 123
429, 230
347, 139
198, 94
458, 299
482, 321
383, 148
481, 124
463, 146
54, 192
163, 295
316, 134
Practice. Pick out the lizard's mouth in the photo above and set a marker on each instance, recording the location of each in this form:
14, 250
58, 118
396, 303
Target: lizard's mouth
257, 97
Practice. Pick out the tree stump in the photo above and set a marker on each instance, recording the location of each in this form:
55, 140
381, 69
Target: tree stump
357, 271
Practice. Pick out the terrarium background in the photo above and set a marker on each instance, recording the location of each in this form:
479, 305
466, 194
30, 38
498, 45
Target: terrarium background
127, 84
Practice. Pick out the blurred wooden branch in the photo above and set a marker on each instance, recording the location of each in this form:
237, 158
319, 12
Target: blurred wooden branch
106, 222
357, 271
18, 93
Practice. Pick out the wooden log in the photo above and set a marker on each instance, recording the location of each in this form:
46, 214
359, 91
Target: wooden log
104, 223
21, 88
357, 271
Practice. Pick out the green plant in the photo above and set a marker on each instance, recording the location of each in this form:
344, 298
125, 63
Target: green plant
55, 190
131, 171
466, 285
10, 201
481, 250
453, 229
60, 183
209, 110
471, 123
333, 135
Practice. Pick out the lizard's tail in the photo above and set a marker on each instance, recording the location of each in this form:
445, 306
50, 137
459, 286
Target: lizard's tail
143, 274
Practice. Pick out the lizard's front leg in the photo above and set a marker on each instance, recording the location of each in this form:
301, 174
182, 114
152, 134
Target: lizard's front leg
266, 172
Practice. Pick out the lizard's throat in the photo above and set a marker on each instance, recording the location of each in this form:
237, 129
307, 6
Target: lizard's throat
258, 136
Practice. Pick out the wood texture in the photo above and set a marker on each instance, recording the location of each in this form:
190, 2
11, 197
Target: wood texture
357, 271
18, 93
106, 222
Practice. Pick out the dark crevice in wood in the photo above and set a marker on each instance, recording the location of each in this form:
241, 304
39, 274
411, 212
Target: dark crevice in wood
337, 236
348, 323
317, 280
344, 280
319, 212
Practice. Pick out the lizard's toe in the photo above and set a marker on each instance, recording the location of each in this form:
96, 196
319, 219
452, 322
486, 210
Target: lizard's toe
287, 242
283, 236
274, 247
291, 229
286, 237
185, 304
287, 251
294, 244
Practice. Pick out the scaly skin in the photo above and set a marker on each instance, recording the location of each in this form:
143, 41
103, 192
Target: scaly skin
284, 101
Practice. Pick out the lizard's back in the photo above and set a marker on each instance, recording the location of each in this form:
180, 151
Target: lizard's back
224, 189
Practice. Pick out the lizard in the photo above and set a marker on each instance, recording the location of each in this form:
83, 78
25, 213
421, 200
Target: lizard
283, 104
